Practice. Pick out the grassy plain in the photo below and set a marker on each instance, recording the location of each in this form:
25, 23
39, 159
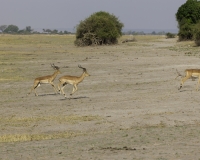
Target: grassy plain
129, 108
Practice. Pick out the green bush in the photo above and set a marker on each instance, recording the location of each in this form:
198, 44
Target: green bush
197, 38
187, 16
197, 34
98, 29
190, 10
170, 35
186, 32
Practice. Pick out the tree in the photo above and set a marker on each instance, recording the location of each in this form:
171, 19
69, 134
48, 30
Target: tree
100, 28
47, 30
187, 16
190, 11
3, 27
55, 31
11, 29
66, 32
28, 29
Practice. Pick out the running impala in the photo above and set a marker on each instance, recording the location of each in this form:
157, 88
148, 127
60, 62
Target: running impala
190, 73
46, 80
73, 80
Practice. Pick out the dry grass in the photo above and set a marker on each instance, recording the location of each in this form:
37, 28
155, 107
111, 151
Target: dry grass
37, 137
59, 119
28, 122
17, 50
128, 102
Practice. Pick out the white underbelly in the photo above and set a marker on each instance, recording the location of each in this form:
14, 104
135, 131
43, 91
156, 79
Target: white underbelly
195, 75
44, 82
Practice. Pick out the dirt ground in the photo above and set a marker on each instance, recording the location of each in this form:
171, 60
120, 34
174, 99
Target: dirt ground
129, 108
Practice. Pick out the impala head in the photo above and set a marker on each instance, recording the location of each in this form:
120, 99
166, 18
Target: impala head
84, 70
56, 68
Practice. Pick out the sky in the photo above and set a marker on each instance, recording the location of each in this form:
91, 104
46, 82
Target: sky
54, 14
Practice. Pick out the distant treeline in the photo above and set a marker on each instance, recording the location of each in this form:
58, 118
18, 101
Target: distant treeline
13, 29
143, 33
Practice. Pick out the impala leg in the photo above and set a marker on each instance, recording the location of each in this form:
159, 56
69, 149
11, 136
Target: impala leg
52, 84
34, 88
183, 80
59, 87
35, 92
74, 89
62, 90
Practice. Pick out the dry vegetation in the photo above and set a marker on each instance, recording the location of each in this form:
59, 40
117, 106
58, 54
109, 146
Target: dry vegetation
129, 108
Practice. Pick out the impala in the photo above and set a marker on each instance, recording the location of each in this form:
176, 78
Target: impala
190, 73
180, 75
73, 80
46, 80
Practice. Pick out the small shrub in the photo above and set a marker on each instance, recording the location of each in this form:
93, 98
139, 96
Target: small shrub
170, 35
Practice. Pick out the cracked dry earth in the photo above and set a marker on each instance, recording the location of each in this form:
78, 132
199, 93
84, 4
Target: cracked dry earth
129, 108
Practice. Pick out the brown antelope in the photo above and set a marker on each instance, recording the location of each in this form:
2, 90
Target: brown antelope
190, 73
73, 80
46, 80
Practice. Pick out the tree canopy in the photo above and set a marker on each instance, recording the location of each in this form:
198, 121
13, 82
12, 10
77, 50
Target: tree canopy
189, 12
100, 28
187, 16
3, 27
11, 29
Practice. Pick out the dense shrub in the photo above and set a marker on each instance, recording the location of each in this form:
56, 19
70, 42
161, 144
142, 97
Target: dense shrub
197, 34
190, 10
100, 28
187, 16
186, 32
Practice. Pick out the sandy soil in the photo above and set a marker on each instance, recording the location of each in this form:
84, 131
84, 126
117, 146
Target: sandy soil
131, 99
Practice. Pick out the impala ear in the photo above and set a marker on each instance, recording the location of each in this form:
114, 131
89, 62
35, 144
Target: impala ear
55, 67
84, 69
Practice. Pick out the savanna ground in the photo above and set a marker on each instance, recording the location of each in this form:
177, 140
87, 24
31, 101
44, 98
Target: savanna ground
129, 108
